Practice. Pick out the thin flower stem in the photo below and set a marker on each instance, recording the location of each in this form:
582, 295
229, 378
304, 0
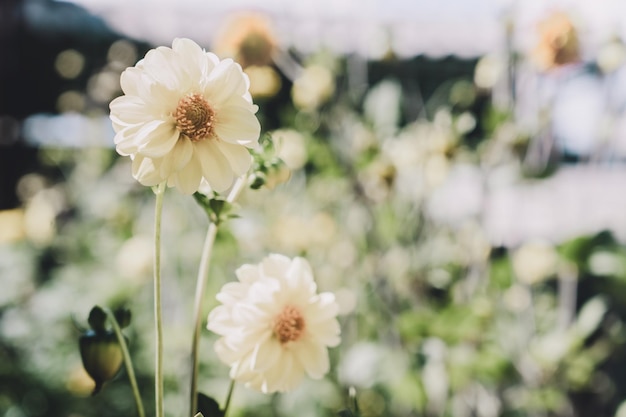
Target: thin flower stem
158, 319
127, 361
228, 397
203, 275
200, 285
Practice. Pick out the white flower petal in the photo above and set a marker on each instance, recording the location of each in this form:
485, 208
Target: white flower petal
246, 313
124, 140
128, 110
262, 292
218, 317
275, 266
193, 58
130, 80
161, 64
178, 158
326, 333
226, 80
247, 273
238, 157
299, 275
231, 293
224, 352
146, 171
293, 375
313, 357
237, 125
323, 307
266, 355
157, 138
215, 167
278, 378
188, 178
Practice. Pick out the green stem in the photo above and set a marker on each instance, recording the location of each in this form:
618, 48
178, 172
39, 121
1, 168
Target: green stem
127, 361
203, 275
200, 285
158, 319
231, 388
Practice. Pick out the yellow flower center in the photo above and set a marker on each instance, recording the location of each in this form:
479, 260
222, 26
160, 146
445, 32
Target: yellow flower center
289, 325
194, 117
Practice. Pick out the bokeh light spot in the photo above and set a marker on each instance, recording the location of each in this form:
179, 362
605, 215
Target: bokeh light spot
122, 53
71, 101
69, 64
102, 87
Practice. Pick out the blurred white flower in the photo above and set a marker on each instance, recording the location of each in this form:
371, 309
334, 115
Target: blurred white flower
290, 147
534, 262
186, 116
305, 230
361, 365
134, 258
274, 325
489, 71
313, 87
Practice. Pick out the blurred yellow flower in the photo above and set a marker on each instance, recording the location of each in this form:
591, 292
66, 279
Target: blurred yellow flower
40, 216
248, 38
274, 326
558, 42
186, 116
264, 81
11, 225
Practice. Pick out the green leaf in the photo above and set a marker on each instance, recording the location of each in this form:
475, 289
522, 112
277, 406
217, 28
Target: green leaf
208, 407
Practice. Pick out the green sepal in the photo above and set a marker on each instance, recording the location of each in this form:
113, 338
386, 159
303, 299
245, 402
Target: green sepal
257, 180
208, 407
97, 319
122, 316
217, 208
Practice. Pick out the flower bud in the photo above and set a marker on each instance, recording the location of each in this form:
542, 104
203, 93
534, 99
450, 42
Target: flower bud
257, 180
102, 356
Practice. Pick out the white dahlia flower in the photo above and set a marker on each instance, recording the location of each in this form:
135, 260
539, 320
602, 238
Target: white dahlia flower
274, 325
185, 115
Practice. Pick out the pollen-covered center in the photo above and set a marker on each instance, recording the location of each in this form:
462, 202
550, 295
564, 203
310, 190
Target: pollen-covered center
289, 325
195, 117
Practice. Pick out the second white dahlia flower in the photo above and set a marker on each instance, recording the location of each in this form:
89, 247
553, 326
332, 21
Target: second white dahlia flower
274, 327
185, 115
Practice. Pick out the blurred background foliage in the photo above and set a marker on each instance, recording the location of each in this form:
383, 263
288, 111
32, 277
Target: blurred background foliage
474, 239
